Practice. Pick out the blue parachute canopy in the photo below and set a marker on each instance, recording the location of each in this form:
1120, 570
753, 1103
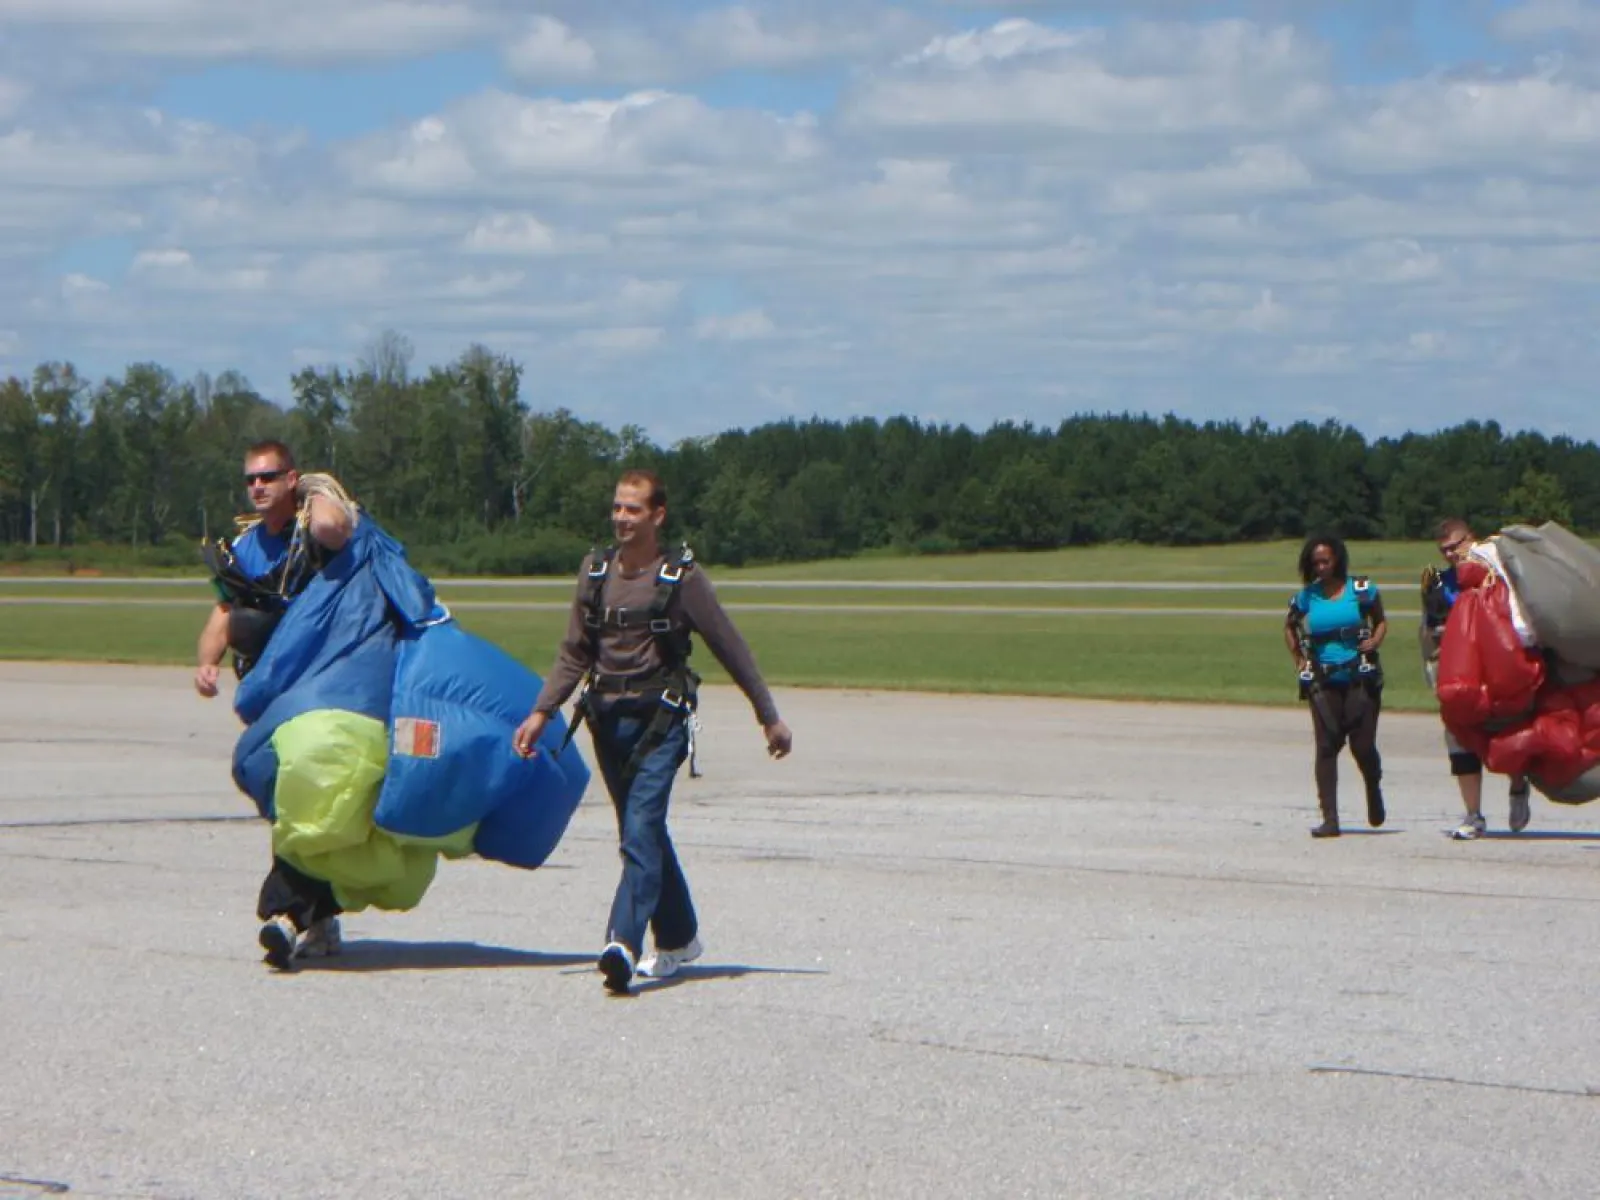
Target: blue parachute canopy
390, 726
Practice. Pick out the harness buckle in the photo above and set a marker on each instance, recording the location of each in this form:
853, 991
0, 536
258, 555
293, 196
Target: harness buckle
660, 625
673, 699
670, 574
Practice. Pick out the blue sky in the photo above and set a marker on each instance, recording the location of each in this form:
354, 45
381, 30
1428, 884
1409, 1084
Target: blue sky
698, 216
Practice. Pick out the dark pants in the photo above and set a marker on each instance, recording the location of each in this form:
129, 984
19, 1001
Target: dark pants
1341, 714
652, 891
290, 892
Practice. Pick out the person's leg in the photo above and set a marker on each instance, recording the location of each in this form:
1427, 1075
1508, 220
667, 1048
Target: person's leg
288, 891
1362, 709
651, 890
642, 896
1468, 772
291, 904
675, 923
1329, 738
1519, 795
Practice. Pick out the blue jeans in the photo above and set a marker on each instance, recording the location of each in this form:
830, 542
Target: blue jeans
652, 890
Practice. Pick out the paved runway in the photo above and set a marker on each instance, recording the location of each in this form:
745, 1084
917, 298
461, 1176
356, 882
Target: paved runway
956, 947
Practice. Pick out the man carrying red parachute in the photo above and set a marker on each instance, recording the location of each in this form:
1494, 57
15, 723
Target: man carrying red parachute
1518, 677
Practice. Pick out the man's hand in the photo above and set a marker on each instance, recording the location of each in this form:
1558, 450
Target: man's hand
779, 740
526, 739
205, 680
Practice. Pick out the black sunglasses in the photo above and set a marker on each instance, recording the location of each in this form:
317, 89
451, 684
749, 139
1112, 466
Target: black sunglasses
263, 477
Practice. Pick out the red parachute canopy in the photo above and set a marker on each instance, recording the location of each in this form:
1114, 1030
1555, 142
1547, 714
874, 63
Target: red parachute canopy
1496, 697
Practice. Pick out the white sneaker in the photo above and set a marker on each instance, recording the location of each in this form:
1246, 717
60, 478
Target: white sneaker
663, 964
325, 939
1471, 829
1519, 808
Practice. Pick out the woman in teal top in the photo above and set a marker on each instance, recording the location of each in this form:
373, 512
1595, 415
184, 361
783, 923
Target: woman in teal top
1334, 628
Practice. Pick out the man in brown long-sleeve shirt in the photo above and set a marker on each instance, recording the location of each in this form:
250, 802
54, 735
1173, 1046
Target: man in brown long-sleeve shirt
628, 637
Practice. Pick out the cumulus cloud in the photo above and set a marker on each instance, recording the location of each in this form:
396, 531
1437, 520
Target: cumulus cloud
291, 31
1019, 215
676, 46
750, 325
499, 141
1144, 79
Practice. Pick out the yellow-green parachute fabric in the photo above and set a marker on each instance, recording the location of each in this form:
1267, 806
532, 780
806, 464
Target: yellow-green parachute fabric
331, 766
378, 736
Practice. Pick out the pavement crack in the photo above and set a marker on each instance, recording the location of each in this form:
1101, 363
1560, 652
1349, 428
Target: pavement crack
1055, 1060
1584, 1093
92, 822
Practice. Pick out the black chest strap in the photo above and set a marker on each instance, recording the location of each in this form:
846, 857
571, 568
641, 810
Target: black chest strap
674, 686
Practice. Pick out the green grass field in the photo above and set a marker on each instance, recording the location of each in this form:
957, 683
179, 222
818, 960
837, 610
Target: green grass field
1146, 656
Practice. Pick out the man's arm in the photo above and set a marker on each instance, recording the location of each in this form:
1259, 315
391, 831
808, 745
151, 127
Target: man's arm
573, 657
572, 661
329, 522
212, 646
708, 618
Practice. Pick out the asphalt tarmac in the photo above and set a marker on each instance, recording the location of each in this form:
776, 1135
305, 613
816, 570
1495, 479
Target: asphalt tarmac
955, 947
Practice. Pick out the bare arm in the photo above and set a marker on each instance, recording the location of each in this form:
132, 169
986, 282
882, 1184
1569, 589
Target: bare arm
212, 646
1379, 626
1291, 638
329, 522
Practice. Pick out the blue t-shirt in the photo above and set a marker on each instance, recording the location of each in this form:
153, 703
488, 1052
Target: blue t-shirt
260, 554
1335, 625
1450, 586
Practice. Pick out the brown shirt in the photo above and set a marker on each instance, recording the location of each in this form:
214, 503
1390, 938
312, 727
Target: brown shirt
633, 651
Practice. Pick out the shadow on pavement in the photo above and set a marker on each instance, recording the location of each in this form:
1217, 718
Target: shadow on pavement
698, 973
380, 955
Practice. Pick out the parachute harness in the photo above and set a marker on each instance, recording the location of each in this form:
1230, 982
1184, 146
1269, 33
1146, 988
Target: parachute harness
674, 685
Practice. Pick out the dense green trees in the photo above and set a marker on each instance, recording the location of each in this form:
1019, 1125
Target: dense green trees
455, 461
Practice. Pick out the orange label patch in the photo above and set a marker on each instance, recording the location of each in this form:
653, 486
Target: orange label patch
416, 738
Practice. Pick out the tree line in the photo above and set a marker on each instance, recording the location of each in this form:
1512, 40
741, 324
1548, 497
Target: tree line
457, 463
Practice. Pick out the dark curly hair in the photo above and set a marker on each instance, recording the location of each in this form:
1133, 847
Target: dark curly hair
1341, 557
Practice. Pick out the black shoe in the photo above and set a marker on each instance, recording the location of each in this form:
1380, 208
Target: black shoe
1376, 814
278, 939
1326, 829
616, 964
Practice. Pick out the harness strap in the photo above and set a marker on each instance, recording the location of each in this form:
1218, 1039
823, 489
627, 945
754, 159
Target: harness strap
674, 684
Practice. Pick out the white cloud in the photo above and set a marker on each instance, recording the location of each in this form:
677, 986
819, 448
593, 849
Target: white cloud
511, 233
750, 325
1537, 18
124, 151
498, 143
1536, 120
291, 31
1143, 79
1017, 217
12, 94
675, 47
1004, 40
630, 340
549, 50
159, 260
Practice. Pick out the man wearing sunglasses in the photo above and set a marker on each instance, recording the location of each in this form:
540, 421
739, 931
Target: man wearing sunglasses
299, 913
1440, 589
